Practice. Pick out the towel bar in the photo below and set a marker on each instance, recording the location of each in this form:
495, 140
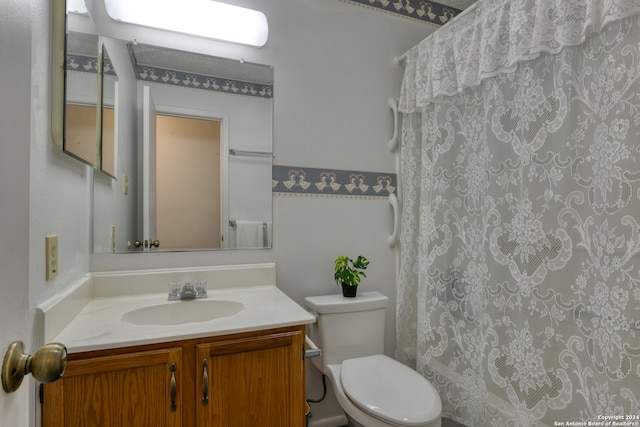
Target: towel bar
311, 349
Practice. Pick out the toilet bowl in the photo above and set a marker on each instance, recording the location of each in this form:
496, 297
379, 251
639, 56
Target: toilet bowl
373, 390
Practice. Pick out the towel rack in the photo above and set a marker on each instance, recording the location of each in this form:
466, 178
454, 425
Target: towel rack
311, 349
234, 152
265, 231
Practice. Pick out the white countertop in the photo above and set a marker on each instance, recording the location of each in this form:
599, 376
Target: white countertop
99, 324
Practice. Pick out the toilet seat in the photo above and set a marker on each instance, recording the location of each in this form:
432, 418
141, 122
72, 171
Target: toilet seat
390, 391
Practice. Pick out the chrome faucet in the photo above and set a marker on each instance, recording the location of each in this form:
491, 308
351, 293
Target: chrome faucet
188, 290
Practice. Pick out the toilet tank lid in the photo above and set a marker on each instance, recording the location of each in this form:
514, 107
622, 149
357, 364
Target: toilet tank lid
336, 303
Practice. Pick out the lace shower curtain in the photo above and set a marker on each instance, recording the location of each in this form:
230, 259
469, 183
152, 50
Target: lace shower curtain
519, 289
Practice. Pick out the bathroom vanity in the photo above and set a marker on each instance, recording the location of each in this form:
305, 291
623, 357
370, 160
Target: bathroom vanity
248, 379
240, 369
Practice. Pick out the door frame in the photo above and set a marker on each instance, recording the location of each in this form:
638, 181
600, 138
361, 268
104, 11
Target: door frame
223, 118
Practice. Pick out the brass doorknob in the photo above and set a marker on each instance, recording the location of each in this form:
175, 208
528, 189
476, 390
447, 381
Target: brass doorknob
46, 365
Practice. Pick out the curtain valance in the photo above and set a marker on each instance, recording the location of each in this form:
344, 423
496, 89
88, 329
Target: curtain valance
493, 37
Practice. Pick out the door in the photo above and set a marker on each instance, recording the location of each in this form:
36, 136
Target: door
15, 117
149, 204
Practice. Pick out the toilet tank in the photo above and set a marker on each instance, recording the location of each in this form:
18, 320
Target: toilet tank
347, 327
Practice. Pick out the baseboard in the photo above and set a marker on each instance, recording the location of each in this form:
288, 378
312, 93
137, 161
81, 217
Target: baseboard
338, 420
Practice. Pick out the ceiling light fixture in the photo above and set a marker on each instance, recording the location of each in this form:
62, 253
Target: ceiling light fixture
205, 18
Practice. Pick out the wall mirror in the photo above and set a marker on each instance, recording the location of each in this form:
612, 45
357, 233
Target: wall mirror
202, 179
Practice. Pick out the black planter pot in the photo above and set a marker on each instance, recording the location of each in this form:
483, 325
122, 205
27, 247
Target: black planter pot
349, 291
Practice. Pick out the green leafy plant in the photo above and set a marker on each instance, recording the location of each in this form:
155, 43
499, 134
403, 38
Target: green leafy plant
350, 272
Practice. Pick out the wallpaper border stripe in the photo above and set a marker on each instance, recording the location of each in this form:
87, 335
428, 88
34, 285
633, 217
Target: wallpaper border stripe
202, 81
82, 63
425, 11
305, 181
89, 64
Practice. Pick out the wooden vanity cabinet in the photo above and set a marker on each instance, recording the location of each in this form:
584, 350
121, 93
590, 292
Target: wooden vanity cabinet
133, 389
253, 379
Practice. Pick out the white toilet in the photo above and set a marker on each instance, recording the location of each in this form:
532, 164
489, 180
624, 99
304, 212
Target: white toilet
374, 390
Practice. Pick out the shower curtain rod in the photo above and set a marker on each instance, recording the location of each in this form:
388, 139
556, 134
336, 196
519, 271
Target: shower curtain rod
399, 60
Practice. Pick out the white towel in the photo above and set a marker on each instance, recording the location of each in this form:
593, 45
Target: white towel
249, 234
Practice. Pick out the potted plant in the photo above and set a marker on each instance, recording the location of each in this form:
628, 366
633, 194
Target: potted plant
349, 273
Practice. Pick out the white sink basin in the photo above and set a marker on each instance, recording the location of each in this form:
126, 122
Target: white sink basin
178, 312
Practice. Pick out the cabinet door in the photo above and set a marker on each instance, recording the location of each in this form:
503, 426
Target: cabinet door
252, 381
127, 390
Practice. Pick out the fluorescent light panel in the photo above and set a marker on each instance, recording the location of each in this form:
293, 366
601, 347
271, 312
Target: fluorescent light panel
205, 18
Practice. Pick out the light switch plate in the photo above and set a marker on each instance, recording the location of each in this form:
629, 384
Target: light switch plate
51, 243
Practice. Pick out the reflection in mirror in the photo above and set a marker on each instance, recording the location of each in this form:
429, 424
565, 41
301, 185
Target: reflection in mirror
81, 96
230, 151
188, 157
108, 132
